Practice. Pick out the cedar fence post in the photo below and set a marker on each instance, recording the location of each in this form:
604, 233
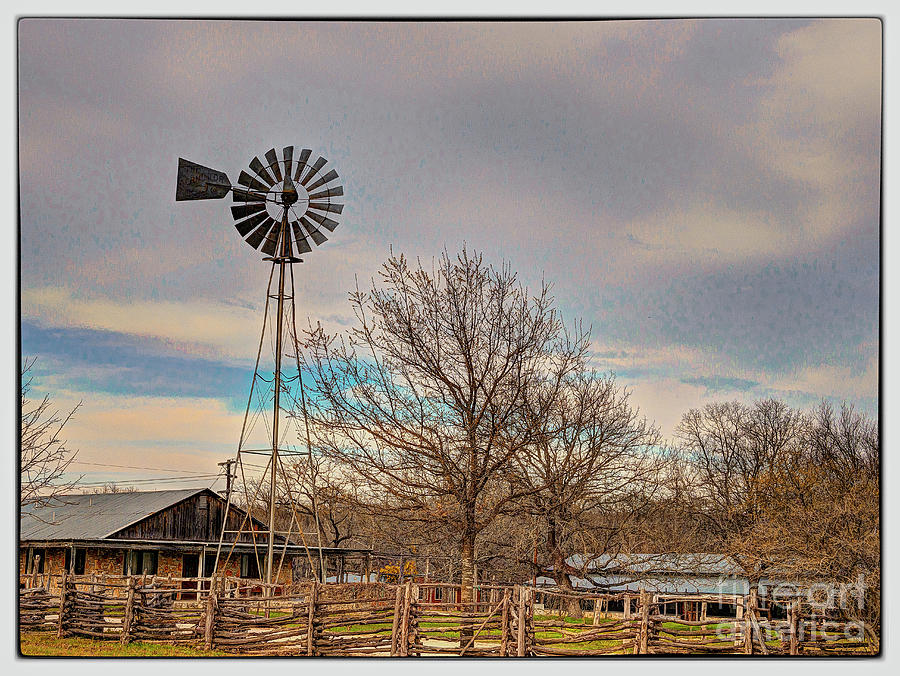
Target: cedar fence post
757, 632
644, 633
311, 619
793, 619
210, 625
738, 617
404, 625
529, 622
504, 625
63, 587
414, 621
395, 624
128, 619
626, 607
596, 611
748, 629
520, 629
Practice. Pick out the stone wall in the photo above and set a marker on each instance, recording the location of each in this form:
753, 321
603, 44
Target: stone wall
111, 562
108, 561
54, 562
169, 563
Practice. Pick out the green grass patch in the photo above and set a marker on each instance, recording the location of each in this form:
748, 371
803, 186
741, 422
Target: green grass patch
46, 644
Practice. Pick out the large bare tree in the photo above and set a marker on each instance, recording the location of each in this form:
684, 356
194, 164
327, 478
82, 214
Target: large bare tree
44, 456
425, 399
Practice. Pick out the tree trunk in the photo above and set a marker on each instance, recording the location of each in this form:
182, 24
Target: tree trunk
560, 573
573, 603
467, 593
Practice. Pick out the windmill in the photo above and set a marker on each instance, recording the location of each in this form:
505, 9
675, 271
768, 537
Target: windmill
279, 206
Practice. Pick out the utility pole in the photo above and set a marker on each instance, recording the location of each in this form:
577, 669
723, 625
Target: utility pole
228, 476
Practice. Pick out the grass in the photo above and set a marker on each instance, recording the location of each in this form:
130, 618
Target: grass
45, 644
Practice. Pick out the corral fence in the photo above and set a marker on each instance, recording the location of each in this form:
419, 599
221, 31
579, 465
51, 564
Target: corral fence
415, 619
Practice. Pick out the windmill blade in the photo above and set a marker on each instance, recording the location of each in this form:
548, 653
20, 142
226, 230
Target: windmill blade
331, 192
271, 242
301, 162
288, 155
273, 163
314, 232
256, 237
262, 172
327, 206
330, 176
321, 220
302, 245
241, 195
247, 210
244, 227
314, 169
196, 182
247, 180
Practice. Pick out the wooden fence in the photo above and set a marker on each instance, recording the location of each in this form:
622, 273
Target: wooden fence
411, 619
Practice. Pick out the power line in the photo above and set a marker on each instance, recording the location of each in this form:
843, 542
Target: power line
155, 479
156, 469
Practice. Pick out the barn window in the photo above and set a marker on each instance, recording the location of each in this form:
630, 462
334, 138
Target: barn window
249, 567
138, 562
76, 568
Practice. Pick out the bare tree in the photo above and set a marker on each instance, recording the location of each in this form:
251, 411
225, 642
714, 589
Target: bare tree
43, 455
791, 495
425, 398
823, 512
323, 491
112, 487
589, 478
729, 449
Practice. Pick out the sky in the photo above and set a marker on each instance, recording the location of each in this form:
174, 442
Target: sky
705, 194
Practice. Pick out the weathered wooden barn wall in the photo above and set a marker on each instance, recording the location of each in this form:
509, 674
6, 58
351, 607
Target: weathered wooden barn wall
199, 518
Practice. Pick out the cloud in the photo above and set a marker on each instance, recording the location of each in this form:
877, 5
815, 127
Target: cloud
835, 381
664, 401
202, 328
705, 193
161, 436
721, 383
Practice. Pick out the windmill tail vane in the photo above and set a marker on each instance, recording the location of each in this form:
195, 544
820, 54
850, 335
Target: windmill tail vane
279, 205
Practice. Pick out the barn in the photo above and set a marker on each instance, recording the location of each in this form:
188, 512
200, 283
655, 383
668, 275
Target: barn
167, 533
671, 575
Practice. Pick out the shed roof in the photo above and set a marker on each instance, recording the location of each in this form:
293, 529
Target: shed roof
95, 516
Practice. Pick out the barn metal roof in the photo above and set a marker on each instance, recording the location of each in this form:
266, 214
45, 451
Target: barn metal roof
666, 564
663, 573
95, 516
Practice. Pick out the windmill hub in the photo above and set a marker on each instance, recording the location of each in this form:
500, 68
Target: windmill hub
294, 197
288, 191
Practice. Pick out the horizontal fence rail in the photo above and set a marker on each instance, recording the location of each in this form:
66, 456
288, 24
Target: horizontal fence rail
417, 619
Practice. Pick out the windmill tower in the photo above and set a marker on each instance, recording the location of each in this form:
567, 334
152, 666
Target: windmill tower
279, 206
